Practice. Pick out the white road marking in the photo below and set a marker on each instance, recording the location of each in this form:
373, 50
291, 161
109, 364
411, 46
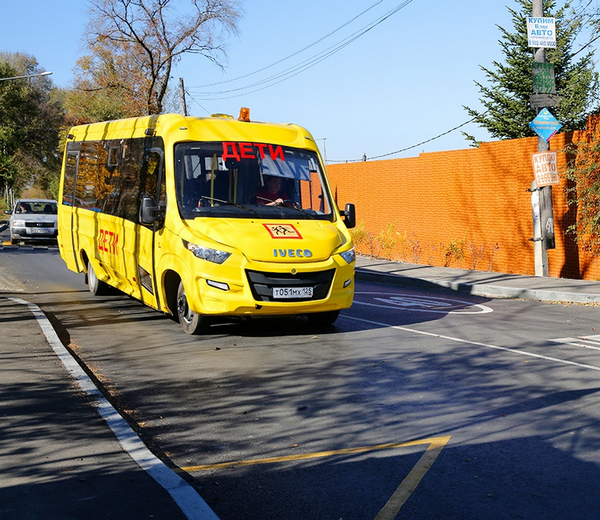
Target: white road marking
411, 302
585, 342
184, 495
476, 343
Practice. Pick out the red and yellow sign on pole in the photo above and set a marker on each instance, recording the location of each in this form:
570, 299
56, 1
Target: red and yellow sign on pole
545, 169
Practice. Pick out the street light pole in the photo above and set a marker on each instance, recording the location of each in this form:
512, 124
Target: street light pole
47, 73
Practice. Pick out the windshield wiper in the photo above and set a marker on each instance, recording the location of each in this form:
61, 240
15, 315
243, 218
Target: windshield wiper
229, 203
299, 210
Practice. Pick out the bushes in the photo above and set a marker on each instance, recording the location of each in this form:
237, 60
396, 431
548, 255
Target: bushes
389, 244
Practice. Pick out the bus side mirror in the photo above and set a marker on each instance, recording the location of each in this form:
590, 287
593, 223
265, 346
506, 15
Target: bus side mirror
349, 215
150, 212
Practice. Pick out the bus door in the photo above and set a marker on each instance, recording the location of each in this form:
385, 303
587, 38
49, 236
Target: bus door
138, 246
152, 183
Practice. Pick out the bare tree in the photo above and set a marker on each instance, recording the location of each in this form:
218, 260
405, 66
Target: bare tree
586, 13
154, 34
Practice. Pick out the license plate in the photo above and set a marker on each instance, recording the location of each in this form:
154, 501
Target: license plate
41, 231
292, 292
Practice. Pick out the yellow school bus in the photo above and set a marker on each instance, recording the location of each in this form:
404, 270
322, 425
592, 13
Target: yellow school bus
206, 217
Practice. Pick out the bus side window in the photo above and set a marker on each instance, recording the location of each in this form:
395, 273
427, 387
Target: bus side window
71, 165
107, 188
152, 183
89, 175
151, 171
129, 174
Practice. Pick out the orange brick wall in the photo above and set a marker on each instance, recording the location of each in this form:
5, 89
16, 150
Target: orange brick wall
465, 208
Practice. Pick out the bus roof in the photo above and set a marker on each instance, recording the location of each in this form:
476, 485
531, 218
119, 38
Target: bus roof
175, 128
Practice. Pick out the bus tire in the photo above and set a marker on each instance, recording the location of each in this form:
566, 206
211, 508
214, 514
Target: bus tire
323, 318
191, 322
97, 287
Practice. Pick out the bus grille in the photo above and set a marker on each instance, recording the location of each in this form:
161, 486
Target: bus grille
262, 284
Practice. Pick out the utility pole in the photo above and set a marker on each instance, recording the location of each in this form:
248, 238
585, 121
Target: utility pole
182, 98
544, 220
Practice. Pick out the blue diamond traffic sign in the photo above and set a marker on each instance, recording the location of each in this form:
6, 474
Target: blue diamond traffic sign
545, 125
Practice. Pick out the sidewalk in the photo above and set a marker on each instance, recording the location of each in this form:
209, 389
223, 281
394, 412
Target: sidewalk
60, 460
480, 283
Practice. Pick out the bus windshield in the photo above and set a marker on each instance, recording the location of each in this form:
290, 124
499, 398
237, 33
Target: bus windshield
243, 179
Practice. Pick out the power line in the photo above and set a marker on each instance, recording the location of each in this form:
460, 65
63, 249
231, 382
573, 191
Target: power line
197, 103
303, 65
409, 147
293, 54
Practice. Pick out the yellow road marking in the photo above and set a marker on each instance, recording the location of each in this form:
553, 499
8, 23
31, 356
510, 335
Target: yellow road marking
409, 484
400, 496
305, 456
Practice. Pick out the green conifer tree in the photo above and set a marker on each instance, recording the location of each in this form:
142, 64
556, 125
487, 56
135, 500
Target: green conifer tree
508, 110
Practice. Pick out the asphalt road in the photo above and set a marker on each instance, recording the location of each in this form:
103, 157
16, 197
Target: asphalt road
436, 404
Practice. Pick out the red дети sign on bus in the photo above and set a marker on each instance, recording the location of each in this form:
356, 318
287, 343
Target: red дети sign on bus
545, 169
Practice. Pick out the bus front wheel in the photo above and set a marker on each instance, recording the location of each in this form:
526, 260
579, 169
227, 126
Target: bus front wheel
191, 322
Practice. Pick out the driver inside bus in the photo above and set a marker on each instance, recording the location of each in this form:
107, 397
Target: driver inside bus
272, 194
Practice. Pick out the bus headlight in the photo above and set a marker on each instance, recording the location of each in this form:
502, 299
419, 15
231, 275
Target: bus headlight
349, 255
206, 253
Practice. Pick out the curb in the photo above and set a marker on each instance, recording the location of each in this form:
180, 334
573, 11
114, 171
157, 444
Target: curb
485, 290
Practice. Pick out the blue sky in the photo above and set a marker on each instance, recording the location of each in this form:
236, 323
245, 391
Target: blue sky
401, 83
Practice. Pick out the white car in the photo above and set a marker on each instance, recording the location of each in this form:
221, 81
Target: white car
33, 220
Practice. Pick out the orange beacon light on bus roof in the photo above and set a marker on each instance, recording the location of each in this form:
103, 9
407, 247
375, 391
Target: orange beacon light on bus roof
244, 115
